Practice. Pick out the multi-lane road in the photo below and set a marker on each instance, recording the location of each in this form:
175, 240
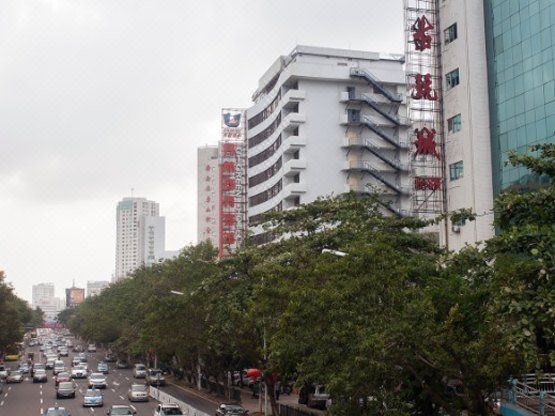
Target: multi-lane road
31, 399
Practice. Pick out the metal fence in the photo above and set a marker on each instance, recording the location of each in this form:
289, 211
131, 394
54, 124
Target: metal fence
534, 394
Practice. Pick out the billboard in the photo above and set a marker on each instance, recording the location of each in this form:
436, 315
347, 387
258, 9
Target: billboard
74, 296
232, 180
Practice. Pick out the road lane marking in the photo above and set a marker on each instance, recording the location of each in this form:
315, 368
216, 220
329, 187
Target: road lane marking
121, 397
41, 400
127, 378
41, 411
9, 388
115, 383
2, 403
113, 390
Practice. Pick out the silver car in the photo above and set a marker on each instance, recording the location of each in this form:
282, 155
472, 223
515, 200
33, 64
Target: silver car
97, 380
138, 393
14, 376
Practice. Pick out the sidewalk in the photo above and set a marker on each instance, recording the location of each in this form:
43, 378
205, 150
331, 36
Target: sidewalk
255, 406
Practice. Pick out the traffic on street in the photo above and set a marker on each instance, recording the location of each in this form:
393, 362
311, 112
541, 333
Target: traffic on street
79, 383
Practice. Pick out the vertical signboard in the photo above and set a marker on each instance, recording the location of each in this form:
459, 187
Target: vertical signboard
423, 68
233, 180
208, 195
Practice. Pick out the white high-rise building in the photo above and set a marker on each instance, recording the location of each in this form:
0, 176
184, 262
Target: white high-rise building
44, 298
328, 121
95, 287
140, 236
208, 197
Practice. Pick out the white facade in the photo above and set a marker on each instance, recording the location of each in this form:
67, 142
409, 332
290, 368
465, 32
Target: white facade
140, 235
208, 197
95, 287
328, 121
467, 139
44, 298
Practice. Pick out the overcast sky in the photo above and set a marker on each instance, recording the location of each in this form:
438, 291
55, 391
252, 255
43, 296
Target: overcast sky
101, 96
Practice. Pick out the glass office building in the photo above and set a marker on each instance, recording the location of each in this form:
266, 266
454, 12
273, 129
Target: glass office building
521, 70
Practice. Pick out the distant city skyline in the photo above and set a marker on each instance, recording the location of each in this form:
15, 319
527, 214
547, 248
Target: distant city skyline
99, 97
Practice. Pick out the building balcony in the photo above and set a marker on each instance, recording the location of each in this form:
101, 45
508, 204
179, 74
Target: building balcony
293, 143
294, 95
293, 166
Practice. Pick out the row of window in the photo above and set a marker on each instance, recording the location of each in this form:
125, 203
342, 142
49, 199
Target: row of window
265, 154
454, 124
264, 134
264, 114
265, 175
265, 195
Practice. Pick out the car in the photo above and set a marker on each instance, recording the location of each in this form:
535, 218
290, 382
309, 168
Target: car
40, 376
83, 357
91, 348
93, 397
3, 372
24, 368
78, 348
121, 409
231, 409
60, 377
59, 366
79, 371
139, 371
11, 357
75, 361
122, 364
50, 363
166, 409
56, 411
154, 377
317, 397
110, 357
64, 352
14, 376
65, 389
37, 366
138, 393
102, 367
97, 380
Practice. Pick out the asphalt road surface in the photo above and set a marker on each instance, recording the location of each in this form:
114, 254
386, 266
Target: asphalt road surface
32, 399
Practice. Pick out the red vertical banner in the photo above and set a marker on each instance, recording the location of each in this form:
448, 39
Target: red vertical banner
232, 181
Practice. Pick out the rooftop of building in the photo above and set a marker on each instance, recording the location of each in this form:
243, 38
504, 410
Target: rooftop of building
283, 61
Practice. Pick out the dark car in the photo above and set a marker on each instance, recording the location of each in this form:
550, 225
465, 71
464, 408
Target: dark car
65, 389
121, 409
122, 364
231, 409
40, 376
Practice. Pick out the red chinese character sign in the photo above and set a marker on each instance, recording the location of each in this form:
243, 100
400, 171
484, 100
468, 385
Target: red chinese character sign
422, 40
232, 167
425, 143
424, 104
423, 88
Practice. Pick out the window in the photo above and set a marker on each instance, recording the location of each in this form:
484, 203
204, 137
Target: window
353, 116
452, 79
450, 34
454, 124
456, 170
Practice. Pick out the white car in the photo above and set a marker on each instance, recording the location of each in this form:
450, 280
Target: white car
167, 409
79, 371
97, 380
139, 371
91, 348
